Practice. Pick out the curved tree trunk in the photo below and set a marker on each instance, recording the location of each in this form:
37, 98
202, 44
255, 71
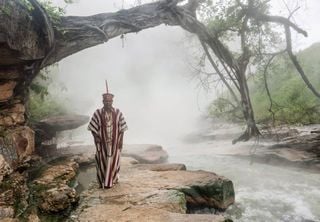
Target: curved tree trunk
29, 42
76, 33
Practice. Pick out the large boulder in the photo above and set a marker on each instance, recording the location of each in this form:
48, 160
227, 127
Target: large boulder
52, 191
146, 153
211, 191
63, 173
144, 195
20, 43
63, 122
47, 129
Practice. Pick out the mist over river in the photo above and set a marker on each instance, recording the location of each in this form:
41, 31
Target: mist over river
263, 192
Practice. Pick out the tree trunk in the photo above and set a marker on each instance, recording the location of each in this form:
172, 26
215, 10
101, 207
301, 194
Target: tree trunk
247, 110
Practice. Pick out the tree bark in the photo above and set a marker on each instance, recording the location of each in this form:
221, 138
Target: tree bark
76, 33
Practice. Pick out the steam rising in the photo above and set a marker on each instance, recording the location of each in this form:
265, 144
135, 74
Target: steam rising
149, 75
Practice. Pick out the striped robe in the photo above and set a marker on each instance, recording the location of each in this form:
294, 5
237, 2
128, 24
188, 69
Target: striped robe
107, 156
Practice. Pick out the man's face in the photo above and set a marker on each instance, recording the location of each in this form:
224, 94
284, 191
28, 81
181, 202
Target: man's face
107, 103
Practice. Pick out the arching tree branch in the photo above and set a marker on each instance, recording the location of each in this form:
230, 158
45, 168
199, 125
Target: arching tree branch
297, 64
76, 33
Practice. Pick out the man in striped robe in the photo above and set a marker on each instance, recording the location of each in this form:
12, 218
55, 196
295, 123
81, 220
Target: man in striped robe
107, 126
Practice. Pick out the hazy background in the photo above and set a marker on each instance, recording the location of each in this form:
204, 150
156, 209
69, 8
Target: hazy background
150, 75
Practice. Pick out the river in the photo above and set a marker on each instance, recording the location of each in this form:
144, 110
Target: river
262, 192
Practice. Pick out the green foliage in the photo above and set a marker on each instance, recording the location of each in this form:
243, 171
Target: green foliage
223, 108
43, 100
42, 107
54, 12
293, 102
226, 19
27, 4
38, 87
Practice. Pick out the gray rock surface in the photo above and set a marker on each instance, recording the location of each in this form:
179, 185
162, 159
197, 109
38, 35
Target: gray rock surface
54, 195
62, 122
144, 195
146, 153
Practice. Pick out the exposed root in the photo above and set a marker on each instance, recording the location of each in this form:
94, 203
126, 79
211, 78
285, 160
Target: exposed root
250, 132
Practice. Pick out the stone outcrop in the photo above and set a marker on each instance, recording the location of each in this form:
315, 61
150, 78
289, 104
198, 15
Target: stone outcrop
14, 194
6, 90
52, 191
146, 192
63, 122
14, 115
22, 49
5, 168
58, 199
16, 139
23, 139
144, 195
59, 173
146, 153
47, 129
17, 144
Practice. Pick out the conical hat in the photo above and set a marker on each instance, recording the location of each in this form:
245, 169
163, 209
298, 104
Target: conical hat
107, 96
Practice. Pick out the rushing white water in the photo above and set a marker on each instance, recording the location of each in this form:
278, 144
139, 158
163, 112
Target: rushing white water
263, 192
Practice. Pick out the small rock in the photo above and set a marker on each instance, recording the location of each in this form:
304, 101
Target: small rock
33, 218
58, 199
5, 168
6, 212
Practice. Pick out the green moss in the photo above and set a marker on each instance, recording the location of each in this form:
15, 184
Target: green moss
5, 185
178, 196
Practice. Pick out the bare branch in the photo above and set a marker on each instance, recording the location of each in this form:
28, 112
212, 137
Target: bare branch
219, 72
267, 88
276, 19
296, 62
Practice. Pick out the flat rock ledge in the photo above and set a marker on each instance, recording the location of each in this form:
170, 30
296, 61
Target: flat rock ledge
146, 153
161, 192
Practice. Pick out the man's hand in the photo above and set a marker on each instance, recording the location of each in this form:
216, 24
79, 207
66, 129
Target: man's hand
96, 139
121, 142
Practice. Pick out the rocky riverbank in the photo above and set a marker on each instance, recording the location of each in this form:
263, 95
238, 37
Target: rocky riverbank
156, 191
295, 146
164, 192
